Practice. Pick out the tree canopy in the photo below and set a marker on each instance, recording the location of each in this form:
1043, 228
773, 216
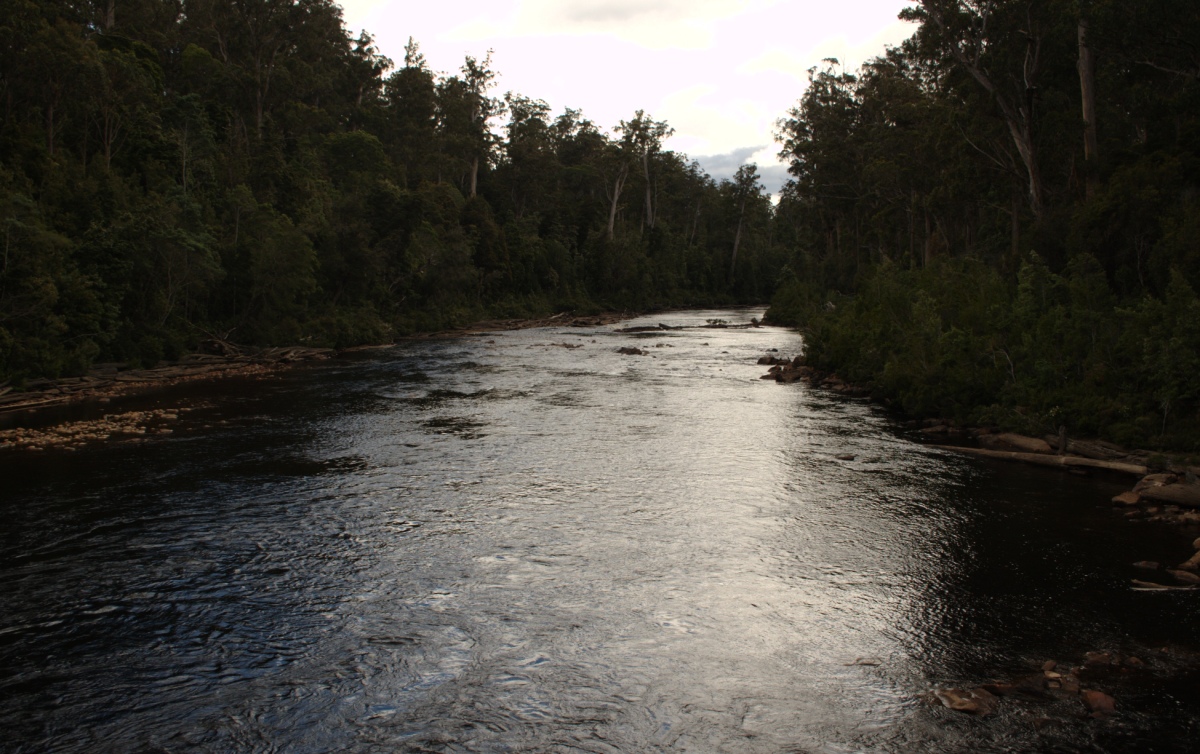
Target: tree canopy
172, 170
996, 221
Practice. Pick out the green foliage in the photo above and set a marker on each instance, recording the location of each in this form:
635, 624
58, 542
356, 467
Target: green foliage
956, 247
1031, 353
250, 169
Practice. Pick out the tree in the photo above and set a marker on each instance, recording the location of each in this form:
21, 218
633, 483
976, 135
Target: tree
745, 186
999, 43
642, 138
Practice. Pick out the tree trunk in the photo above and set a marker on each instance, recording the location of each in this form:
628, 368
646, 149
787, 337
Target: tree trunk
928, 241
1017, 115
474, 174
1022, 135
183, 158
649, 203
1087, 90
110, 16
737, 239
615, 197
1016, 226
50, 129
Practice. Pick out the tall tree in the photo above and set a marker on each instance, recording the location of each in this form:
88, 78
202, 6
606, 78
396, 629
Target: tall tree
642, 138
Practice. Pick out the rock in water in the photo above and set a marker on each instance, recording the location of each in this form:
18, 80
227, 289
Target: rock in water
1180, 494
971, 701
1192, 563
1155, 480
1185, 577
1127, 498
1099, 703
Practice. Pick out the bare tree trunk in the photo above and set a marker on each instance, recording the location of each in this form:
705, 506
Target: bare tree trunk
183, 158
1017, 115
474, 174
614, 197
110, 16
1016, 227
1087, 90
50, 129
928, 242
737, 239
649, 203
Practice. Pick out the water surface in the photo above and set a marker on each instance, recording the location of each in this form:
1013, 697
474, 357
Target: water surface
500, 543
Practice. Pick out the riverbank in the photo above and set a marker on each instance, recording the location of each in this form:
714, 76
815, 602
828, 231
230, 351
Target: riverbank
103, 383
1166, 491
219, 358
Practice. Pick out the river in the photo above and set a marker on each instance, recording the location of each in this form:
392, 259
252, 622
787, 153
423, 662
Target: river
499, 543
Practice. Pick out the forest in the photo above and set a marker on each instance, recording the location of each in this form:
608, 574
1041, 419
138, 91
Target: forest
998, 222
178, 172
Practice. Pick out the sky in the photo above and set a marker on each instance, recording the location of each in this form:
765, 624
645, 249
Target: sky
720, 72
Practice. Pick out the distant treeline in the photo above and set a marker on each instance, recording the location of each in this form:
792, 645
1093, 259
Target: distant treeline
999, 221
175, 170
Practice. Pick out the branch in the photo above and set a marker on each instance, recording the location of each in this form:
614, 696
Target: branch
1193, 74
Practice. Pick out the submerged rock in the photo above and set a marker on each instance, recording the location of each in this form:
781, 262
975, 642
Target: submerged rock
1098, 703
1127, 498
970, 701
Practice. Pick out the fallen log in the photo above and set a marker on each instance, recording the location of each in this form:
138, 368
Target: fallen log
1042, 459
33, 404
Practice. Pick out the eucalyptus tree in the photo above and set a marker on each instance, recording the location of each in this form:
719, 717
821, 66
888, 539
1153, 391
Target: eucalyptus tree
746, 186
409, 117
641, 139
530, 164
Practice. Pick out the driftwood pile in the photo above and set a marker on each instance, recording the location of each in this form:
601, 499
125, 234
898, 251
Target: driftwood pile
129, 426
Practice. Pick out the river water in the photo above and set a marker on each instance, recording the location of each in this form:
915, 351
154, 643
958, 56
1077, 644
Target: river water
502, 544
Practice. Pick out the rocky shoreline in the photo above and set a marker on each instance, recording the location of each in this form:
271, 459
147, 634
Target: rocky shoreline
217, 359
106, 381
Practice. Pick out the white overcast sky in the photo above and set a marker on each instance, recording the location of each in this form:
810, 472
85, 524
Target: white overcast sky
719, 71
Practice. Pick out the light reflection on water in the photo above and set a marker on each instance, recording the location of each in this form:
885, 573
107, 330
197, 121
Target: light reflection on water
499, 544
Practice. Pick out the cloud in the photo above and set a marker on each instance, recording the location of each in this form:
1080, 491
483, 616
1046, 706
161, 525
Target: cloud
725, 165
721, 72
774, 176
771, 171
650, 24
